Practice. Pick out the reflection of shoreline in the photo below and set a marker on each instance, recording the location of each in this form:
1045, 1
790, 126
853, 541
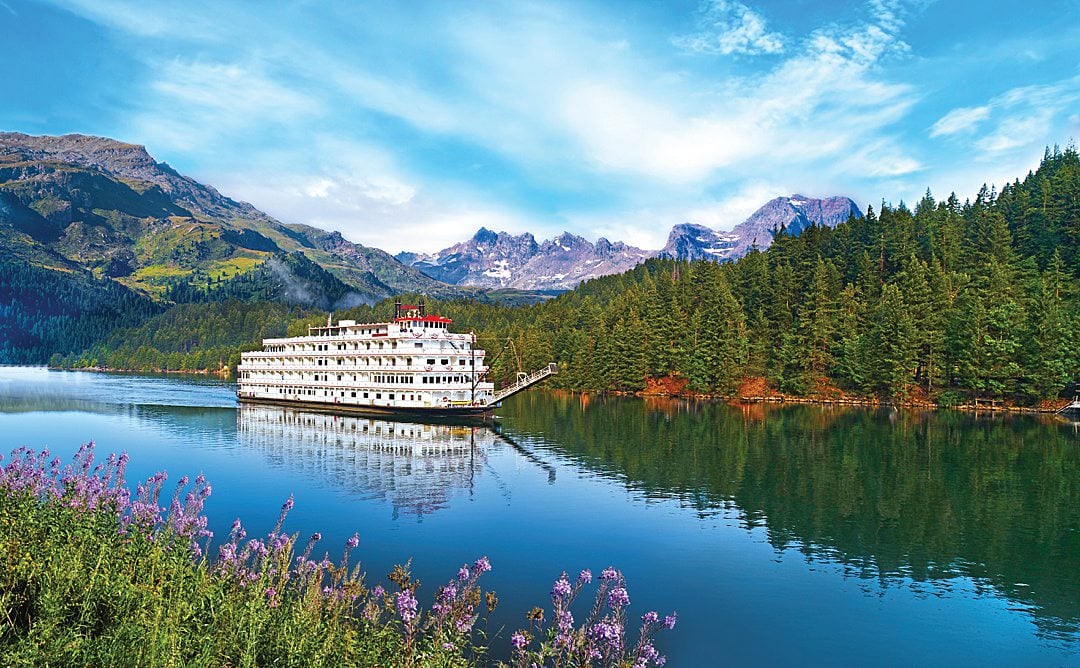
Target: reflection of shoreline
416, 467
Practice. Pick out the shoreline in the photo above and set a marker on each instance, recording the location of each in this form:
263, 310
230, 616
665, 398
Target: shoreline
223, 374
980, 405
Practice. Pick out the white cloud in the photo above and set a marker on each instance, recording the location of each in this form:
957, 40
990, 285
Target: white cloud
960, 120
192, 105
814, 108
360, 191
729, 211
570, 101
1015, 121
1015, 132
726, 27
157, 20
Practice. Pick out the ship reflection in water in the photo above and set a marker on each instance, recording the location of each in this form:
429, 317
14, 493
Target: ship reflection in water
416, 467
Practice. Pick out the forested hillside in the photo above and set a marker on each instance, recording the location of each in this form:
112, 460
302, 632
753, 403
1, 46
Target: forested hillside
951, 300
947, 301
44, 310
189, 337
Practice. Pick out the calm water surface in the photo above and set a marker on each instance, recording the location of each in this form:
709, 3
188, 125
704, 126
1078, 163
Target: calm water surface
797, 535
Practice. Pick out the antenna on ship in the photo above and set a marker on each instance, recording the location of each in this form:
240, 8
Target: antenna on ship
420, 305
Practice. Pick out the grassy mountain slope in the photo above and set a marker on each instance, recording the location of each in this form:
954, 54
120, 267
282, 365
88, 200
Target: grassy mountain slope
109, 207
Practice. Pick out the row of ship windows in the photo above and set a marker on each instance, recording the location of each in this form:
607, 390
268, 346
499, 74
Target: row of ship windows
352, 395
325, 347
391, 380
392, 361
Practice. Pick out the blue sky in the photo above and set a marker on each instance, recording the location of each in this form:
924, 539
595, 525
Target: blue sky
408, 125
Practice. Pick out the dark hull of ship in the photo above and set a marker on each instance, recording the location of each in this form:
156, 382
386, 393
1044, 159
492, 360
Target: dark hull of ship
447, 414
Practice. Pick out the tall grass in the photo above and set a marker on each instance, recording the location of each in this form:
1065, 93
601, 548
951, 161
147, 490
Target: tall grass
91, 575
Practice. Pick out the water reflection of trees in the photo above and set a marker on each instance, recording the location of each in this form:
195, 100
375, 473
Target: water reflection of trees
417, 468
886, 494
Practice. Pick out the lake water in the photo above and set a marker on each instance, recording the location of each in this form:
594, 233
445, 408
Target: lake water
788, 536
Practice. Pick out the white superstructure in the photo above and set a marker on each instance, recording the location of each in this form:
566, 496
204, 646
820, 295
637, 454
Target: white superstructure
413, 363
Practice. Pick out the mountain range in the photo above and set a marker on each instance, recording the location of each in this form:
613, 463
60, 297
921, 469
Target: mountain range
501, 260
109, 209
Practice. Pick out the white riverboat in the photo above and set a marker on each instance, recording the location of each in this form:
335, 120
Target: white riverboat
412, 364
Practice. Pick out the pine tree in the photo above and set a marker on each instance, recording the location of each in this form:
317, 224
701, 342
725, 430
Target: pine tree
891, 344
1047, 354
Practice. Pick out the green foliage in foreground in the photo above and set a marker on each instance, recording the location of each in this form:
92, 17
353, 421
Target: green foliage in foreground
90, 576
74, 591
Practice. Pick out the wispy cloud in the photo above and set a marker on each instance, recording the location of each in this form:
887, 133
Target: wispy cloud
195, 106
157, 19
961, 119
1016, 120
726, 27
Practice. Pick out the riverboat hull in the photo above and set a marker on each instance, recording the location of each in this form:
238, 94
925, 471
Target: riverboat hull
470, 413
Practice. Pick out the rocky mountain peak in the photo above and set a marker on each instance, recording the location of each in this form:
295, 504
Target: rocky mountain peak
690, 241
501, 260
485, 236
101, 153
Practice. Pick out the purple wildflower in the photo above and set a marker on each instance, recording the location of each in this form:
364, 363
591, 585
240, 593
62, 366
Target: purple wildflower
463, 573
482, 565
560, 590
565, 621
618, 597
448, 645
518, 641
669, 621
648, 652
279, 542
650, 617
378, 591
464, 624
585, 577
609, 573
608, 632
353, 542
406, 605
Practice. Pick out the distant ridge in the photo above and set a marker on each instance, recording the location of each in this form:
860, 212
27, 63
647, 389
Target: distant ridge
501, 260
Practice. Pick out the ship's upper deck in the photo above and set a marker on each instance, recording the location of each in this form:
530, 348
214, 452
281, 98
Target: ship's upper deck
409, 322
